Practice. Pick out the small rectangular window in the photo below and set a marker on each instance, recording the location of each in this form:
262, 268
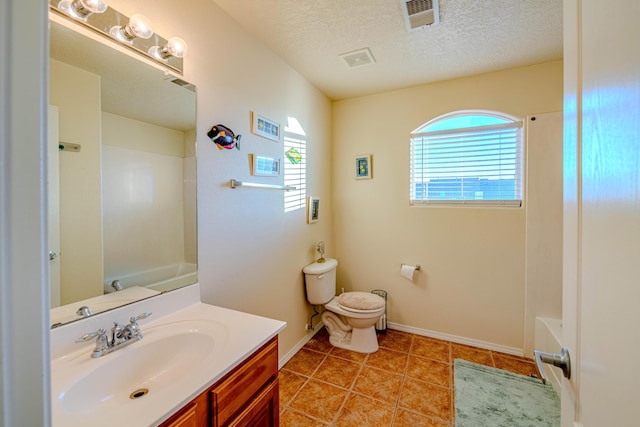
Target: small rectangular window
295, 173
479, 165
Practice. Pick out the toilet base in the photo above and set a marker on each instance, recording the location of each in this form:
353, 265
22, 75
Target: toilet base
359, 340
343, 335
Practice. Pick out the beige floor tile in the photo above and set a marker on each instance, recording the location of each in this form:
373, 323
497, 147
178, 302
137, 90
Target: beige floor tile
471, 354
289, 384
293, 419
319, 342
338, 372
405, 418
379, 384
395, 340
407, 382
319, 400
431, 348
353, 356
428, 399
388, 360
429, 370
362, 411
305, 362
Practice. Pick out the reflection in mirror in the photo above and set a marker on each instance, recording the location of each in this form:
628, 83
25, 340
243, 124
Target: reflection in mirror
123, 180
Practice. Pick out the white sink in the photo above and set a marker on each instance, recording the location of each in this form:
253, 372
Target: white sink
146, 369
143, 373
181, 354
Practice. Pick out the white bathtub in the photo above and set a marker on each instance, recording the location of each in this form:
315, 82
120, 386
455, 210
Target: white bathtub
160, 279
548, 337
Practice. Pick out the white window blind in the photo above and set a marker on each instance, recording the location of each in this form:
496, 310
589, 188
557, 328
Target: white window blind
295, 173
479, 165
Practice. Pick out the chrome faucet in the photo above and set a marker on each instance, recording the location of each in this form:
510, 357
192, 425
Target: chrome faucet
121, 336
84, 311
116, 285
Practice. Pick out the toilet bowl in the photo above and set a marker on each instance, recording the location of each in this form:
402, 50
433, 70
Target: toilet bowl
350, 318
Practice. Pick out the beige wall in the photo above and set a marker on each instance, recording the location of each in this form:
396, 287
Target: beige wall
77, 94
250, 253
472, 281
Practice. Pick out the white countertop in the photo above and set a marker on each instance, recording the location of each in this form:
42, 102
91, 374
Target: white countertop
237, 334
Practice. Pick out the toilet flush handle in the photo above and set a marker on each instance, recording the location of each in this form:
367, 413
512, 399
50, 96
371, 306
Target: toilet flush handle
320, 276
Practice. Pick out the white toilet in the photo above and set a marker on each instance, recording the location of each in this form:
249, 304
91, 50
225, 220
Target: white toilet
350, 317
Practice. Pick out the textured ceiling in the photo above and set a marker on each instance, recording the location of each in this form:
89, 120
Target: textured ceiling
472, 37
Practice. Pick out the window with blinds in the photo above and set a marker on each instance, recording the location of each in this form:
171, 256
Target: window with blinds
467, 158
295, 172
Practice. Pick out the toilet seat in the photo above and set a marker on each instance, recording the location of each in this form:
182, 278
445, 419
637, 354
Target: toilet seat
335, 306
360, 302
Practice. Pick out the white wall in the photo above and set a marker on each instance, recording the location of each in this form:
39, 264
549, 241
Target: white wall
250, 253
143, 193
472, 282
77, 95
24, 296
543, 296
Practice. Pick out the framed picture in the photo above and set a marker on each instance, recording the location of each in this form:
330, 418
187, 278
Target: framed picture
264, 165
264, 127
363, 166
313, 210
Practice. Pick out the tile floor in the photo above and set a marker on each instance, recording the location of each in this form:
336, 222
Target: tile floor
407, 382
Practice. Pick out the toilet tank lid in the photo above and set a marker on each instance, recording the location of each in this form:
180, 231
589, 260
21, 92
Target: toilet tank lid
321, 267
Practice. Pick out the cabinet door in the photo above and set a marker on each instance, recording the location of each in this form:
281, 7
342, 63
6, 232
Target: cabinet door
193, 414
185, 418
263, 411
238, 390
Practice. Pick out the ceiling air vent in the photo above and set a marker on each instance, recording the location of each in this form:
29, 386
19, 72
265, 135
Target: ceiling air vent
419, 13
358, 58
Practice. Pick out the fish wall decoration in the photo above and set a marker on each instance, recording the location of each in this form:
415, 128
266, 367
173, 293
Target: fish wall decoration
224, 137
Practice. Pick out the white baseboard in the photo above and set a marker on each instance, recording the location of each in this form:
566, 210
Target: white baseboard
283, 361
413, 330
454, 338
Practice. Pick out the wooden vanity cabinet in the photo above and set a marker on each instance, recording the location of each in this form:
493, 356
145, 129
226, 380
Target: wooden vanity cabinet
245, 397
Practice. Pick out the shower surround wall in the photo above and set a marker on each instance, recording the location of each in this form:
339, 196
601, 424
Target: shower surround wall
145, 187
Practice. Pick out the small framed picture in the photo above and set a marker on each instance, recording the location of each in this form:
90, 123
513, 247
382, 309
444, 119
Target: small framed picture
264, 127
313, 210
363, 166
265, 165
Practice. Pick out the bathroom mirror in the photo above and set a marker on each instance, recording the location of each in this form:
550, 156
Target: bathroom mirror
122, 193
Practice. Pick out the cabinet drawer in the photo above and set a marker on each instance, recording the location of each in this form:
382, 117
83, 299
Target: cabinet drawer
263, 411
235, 391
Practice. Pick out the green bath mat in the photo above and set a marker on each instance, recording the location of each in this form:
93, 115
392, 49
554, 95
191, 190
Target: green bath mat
489, 397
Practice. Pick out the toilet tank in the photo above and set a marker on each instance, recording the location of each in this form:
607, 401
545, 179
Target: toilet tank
320, 281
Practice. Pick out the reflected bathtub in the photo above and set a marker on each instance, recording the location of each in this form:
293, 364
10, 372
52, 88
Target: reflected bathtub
159, 279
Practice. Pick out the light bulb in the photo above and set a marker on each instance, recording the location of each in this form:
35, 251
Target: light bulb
175, 47
82, 9
138, 26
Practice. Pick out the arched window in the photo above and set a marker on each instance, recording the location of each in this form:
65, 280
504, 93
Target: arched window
467, 157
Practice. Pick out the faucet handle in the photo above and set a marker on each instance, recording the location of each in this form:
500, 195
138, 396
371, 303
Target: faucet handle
100, 332
134, 319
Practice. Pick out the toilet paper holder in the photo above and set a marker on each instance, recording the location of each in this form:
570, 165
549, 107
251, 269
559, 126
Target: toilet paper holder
417, 266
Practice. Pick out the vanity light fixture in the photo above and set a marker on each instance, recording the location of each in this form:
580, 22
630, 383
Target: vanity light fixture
137, 35
82, 9
138, 26
175, 47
